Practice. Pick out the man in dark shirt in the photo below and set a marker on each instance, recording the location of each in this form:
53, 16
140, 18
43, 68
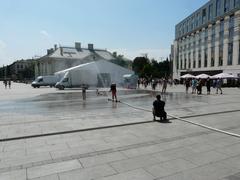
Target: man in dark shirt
158, 109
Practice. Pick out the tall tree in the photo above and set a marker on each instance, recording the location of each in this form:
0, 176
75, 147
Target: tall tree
138, 65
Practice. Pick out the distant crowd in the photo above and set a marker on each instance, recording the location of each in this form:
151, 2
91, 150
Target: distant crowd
196, 85
164, 82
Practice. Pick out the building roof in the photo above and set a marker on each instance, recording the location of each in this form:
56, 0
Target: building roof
73, 53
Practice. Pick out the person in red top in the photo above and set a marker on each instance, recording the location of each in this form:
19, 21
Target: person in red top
113, 89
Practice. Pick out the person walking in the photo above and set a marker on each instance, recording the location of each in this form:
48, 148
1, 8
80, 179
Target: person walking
158, 109
164, 88
113, 89
194, 85
208, 85
9, 84
199, 86
219, 85
5, 83
187, 84
138, 83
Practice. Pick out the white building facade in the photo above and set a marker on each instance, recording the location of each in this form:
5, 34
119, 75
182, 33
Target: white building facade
208, 40
60, 58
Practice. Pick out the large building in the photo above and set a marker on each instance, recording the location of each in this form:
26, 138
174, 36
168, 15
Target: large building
60, 58
208, 40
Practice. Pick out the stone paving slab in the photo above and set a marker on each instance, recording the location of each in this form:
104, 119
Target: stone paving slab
14, 175
50, 177
88, 173
138, 174
49, 169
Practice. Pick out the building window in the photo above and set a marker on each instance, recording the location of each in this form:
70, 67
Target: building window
199, 58
204, 14
239, 53
212, 55
226, 5
194, 59
221, 39
218, 7
185, 63
198, 19
220, 61
192, 24
236, 3
206, 38
230, 53
231, 28
210, 12
205, 57
181, 64
213, 36
189, 60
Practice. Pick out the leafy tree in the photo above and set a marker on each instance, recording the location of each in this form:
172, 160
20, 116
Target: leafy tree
138, 65
151, 69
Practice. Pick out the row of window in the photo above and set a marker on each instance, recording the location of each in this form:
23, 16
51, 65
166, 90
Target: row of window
214, 9
212, 60
203, 38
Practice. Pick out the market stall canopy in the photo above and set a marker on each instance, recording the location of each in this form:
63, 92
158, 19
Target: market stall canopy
202, 76
223, 76
187, 76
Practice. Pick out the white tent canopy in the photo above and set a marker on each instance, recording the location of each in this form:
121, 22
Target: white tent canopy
223, 76
95, 73
202, 76
187, 76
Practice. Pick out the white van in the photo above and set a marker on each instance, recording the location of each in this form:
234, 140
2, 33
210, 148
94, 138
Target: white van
44, 81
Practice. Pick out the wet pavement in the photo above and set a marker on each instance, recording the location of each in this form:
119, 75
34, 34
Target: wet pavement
144, 151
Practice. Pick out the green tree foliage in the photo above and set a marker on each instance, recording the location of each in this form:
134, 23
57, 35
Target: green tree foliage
139, 64
121, 61
146, 68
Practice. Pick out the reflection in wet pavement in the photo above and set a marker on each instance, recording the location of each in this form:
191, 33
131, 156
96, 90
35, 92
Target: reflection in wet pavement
59, 111
72, 102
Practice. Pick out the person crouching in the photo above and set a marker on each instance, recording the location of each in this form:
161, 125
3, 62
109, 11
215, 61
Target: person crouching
158, 109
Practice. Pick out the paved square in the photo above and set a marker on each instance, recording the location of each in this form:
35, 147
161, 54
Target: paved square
43, 135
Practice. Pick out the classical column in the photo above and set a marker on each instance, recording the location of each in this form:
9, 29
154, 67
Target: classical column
226, 40
203, 47
187, 51
209, 45
192, 49
175, 58
183, 52
41, 69
217, 30
197, 48
236, 38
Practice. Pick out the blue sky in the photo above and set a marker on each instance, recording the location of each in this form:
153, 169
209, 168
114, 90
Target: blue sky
130, 27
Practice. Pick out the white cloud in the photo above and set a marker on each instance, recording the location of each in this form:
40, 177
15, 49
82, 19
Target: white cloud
157, 54
3, 45
45, 33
